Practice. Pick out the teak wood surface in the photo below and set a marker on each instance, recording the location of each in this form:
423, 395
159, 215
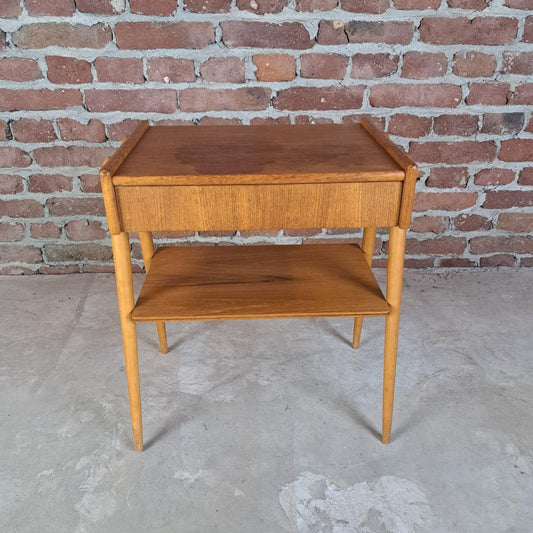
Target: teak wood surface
250, 178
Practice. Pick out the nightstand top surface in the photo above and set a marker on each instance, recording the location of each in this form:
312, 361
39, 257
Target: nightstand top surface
256, 154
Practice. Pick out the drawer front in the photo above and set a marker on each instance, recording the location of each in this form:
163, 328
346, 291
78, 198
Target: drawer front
258, 207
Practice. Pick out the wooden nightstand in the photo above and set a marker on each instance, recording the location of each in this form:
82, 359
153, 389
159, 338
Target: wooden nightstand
175, 178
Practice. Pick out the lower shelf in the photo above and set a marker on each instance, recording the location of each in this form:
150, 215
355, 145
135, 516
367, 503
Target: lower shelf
238, 282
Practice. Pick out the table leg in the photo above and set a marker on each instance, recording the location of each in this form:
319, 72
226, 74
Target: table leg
369, 240
392, 323
124, 279
147, 249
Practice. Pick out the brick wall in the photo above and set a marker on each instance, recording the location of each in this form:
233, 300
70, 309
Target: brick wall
450, 80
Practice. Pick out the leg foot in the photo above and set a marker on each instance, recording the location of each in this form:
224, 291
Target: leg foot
162, 334
357, 327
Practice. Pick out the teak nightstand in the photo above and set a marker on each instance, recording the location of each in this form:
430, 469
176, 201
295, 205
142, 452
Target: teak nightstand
214, 178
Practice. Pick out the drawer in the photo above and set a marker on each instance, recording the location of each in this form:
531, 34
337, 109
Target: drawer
258, 207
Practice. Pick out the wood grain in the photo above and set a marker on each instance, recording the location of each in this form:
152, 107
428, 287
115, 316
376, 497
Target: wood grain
257, 207
237, 282
222, 155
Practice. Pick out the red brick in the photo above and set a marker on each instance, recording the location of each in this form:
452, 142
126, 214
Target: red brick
150, 35
5, 132
260, 7
410, 263
306, 119
13, 157
217, 121
104, 7
12, 253
58, 8
72, 130
518, 4
365, 6
502, 123
77, 252
446, 201
208, 6
71, 156
419, 95
337, 32
504, 243
134, 100
245, 99
254, 34
379, 122
58, 269
516, 222
373, 65
528, 30
461, 30
223, 70
10, 8
516, 150
417, 4
423, 65
453, 152
47, 183
90, 183
526, 176
19, 69
494, 176
119, 130
436, 246
505, 199
427, 224
409, 126
472, 223
447, 177
119, 69
42, 35
10, 184
498, 260
29, 130
170, 69
269, 120
45, 230
461, 125
21, 208
160, 8
488, 93
10, 231
103, 269
323, 66
526, 261
274, 67
75, 206
477, 5
68, 70
455, 262
39, 99
85, 230
522, 95
474, 65
315, 5
300, 98
517, 63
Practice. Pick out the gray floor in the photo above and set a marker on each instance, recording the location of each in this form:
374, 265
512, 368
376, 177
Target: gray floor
268, 426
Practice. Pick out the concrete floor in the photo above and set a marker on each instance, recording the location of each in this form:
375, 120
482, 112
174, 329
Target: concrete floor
269, 426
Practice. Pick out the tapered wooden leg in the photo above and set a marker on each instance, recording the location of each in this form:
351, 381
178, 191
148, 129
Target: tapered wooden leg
392, 323
124, 279
369, 240
147, 249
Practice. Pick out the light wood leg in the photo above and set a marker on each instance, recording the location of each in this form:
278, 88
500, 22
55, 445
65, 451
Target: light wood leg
124, 279
392, 323
147, 249
369, 240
